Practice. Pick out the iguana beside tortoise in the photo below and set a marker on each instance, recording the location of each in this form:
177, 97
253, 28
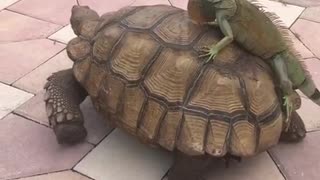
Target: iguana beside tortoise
262, 34
140, 67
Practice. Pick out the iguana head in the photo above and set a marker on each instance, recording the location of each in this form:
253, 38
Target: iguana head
202, 11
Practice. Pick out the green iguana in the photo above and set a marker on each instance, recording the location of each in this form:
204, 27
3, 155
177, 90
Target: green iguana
260, 33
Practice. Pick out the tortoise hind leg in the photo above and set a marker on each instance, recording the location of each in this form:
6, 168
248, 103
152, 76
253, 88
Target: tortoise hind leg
187, 167
296, 131
62, 98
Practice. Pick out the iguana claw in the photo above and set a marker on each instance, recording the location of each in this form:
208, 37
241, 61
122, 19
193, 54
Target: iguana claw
211, 52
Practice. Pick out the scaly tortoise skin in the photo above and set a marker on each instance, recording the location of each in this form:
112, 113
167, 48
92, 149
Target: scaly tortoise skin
140, 67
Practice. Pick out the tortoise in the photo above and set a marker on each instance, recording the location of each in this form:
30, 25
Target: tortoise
141, 68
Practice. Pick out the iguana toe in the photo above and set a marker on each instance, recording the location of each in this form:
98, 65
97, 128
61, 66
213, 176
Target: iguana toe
211, 52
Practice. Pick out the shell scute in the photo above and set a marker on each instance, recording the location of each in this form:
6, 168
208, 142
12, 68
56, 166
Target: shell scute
146, 17
169, 130
105, 41
178, 29
217, 91
130, 109
171, 75
136, 52
192, 134
81, 69
151, 120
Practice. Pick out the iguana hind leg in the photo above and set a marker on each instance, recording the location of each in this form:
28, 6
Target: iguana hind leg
63, 96
281, 72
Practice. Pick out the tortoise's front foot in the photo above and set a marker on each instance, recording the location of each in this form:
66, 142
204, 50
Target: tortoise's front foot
63, 96
69, 133
209, 51
296, 130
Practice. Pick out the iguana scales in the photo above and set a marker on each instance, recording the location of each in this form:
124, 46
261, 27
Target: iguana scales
262, 34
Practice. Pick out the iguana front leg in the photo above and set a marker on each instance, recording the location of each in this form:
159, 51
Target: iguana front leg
281, 71
226, 30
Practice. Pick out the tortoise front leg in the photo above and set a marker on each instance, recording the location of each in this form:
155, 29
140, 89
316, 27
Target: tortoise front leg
188, 168
63, 97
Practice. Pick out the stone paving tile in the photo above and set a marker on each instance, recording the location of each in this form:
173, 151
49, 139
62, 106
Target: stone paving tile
183, 4
34, 81
96, 126
11, 98
308, 32
34, 109
150, 2
105, 6
121, 157
287, 13
313, 66
17, 27
19, 58
300, 47
299, 161
64, 175
64, 35
312, 13
29, 148
309, 112
260, 167
57, 11
303, 3
6, 3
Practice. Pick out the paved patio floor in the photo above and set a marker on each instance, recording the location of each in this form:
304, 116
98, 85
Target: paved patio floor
33, 37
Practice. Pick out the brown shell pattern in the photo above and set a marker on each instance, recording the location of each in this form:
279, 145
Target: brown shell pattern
145, 76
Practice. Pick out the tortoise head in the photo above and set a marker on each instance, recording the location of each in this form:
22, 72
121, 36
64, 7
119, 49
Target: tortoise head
81, 14
201, 11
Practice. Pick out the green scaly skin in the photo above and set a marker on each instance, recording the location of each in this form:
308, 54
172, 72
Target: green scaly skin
286, 66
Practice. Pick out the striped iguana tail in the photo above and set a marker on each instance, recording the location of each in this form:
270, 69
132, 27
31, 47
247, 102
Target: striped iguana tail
309, 89
299, 75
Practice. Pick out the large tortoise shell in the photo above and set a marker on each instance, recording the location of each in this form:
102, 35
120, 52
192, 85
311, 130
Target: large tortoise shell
140, 66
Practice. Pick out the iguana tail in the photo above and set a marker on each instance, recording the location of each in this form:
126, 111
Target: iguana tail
300, 77
309, 89
297, 71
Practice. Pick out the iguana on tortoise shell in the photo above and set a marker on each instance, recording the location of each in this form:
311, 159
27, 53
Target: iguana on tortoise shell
140, 66
262, 34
